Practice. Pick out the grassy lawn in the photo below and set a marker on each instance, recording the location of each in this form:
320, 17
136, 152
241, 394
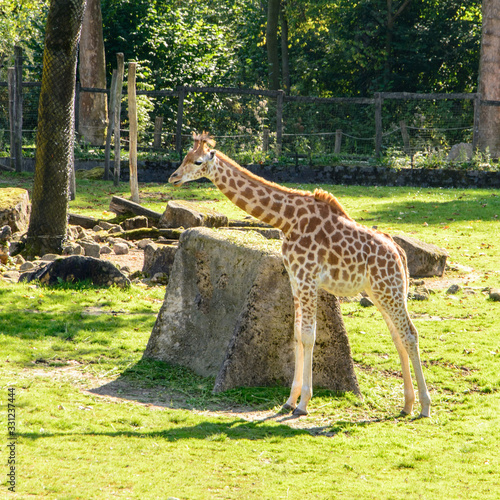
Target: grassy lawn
95, 421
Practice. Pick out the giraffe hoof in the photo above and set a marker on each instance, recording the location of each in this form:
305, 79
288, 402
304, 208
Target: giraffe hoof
423, 416
299, 413
287, 408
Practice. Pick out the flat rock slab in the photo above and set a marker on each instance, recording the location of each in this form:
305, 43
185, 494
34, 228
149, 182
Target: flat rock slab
424, 259
180, 213
14, 208
228, 313
78, 268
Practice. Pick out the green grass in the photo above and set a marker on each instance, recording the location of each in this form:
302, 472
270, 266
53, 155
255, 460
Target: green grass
157, 431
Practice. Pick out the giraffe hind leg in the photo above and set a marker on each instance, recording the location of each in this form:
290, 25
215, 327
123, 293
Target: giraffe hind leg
405, 338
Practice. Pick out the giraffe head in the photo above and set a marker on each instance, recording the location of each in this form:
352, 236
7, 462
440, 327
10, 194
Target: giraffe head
197, 162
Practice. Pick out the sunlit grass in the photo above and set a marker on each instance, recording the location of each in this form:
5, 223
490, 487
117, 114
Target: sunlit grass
158, 431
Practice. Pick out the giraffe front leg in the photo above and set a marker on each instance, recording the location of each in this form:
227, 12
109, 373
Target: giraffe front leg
291, 403
308, 331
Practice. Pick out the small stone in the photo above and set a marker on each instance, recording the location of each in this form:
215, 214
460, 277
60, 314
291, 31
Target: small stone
106, 250
49, 257
11, 275
107, 225
495, 294
120, 248
92, 249
365, 302
115, 229
142, 244
27, 266
97, 228
5, 233
135, 223
19, 260
160, 278
453, 289
73, 249
125, 269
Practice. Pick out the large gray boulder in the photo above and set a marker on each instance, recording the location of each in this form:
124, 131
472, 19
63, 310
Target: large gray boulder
180, 213
14, 208
424, 259
228, 313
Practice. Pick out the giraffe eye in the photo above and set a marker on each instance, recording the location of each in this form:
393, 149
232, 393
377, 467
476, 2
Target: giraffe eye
198, 162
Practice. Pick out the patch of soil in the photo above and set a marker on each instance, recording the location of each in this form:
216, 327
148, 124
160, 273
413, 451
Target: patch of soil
134, 260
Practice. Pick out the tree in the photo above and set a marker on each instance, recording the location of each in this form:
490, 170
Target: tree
55, 136
92, 68
489, 79
273, 12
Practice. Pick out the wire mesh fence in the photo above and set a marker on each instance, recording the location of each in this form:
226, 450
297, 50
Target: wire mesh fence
258, 126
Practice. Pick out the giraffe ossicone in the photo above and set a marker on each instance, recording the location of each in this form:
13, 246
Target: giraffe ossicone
322, 248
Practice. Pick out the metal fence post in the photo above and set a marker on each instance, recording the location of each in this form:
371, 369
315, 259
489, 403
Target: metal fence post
180, 114
378, 123
477, 113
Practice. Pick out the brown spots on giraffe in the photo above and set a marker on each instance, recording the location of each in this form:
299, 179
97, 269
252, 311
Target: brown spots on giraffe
301, 212
247, 193
305, 241
289, 211
333, 260
257, 211
266, 201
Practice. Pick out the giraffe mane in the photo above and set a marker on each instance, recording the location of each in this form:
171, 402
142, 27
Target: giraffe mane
318, 194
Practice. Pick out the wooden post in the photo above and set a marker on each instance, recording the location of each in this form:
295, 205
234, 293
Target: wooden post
111, 120
180, 113
265, 140
157, 134
132, 118
338, 141
118, 105
378, 123
475, 130
18, 95
12, 115
279, 121
406, 137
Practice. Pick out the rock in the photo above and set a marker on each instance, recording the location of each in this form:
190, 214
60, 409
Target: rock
97, 228
14, 208
5, 233
269, 233
19, 260
460, 152
107, 225
12, 276
73, 249
424, 260
365, 302
420, 293
27, 266
106, 250
495, 294
453, 289
160, 278
120, 248
78, 268
158, 259
91, 248
228, 312
115, 229
188, 214
49, 257
135, 223
142, 244
4, 253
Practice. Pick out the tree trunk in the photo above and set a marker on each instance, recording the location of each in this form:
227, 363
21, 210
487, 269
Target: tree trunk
55, 136
489, 79
273, 12
92, 67
285, 61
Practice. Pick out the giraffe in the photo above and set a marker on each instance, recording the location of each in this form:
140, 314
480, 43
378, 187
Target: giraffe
322, 248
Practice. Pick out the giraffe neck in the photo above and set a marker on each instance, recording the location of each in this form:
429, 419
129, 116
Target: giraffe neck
264, 200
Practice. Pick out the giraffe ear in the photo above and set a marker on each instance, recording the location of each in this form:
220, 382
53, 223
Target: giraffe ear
211, 155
